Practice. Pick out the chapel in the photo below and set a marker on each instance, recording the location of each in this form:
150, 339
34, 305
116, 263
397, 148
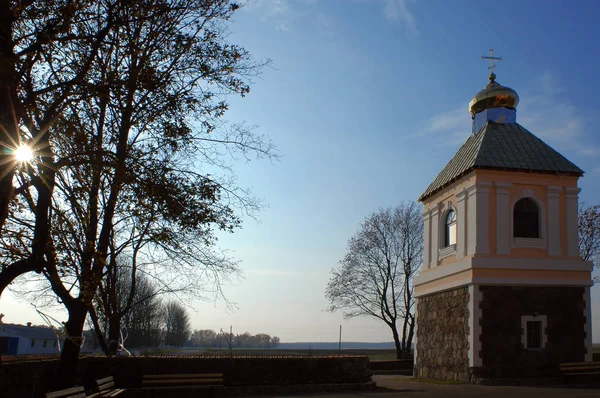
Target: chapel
503, 291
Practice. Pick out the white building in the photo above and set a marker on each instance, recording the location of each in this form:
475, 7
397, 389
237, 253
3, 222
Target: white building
27, 339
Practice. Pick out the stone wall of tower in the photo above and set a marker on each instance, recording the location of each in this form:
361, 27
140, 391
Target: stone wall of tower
442, 336
503, 353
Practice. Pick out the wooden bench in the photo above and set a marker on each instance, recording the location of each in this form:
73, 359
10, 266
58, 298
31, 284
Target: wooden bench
580, 368
580, 373
179, 380
107, 388
73, 392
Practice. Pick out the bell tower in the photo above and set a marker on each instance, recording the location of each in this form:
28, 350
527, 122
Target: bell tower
503, 291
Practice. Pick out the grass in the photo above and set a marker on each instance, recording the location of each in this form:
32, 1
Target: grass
383, 356
373, 354
159, 351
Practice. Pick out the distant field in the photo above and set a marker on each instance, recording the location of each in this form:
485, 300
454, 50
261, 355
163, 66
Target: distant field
373, 354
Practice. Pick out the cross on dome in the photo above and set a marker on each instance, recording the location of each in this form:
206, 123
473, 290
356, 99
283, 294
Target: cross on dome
492, 59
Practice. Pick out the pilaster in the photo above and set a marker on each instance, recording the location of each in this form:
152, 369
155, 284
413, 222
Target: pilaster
503, 218
427, 239
461, 224
435, 239
572, 224
474, 326
554, 246
471, 220
416, 336
478, 218
587, 313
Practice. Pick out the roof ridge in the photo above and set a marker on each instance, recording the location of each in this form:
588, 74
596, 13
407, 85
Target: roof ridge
483, 132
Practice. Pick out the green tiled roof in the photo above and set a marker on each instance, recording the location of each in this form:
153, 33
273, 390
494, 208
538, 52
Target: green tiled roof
502, 146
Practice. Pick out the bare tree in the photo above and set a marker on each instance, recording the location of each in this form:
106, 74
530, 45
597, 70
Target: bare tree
126, 300
41, 73
275, 341
143, 323
177, 324
124, 167
204, 338
589, 234
375, 276
209, 338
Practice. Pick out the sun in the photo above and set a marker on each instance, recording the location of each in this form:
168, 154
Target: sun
24, 153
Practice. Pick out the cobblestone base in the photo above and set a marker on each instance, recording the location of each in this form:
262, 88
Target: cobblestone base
442, 336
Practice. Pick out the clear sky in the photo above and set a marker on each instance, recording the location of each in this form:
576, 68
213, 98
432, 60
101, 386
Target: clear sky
367, 100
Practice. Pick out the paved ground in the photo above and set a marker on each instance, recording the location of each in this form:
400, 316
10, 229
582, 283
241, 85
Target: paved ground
401, 386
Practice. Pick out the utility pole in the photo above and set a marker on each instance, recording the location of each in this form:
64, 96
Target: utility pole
340, 345
228, 339
231, 340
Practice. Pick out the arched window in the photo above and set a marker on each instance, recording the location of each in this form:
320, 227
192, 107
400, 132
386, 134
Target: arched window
450, 229
526, 219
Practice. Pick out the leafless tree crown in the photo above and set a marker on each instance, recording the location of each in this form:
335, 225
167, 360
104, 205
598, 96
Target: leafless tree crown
375, 276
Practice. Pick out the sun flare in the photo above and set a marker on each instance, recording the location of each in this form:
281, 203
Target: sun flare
24, 153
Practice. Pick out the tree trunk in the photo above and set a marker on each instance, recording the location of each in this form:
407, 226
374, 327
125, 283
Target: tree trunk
408, 331
98, 331
411, 333
405, 346
114, 333
72, 345
8, 131
397, 342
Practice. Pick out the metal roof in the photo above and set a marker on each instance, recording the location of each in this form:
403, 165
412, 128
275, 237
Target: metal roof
31, 332
502, 146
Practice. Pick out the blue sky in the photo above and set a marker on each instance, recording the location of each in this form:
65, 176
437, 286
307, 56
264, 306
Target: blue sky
367, 100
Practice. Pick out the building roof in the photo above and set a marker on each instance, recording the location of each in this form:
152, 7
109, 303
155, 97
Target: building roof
502, 146
31, 332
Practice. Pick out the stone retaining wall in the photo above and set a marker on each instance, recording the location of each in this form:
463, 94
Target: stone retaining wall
33, 379
442, 336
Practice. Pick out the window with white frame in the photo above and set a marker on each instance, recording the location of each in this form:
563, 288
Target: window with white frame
450, 228
526, 219
533, 335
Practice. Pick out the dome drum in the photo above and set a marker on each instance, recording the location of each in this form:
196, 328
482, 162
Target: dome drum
496, 115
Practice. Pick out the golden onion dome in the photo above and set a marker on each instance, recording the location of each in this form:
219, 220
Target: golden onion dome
493, 95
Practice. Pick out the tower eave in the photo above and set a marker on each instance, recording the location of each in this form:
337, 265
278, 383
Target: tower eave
506, 147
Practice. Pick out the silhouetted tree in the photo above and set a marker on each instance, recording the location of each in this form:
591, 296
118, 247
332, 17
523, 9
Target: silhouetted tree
275, 341
130, 305
589, 234
144, 322
209, 338
375, 276
129, 125
177, 324
204, 338
47, 49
